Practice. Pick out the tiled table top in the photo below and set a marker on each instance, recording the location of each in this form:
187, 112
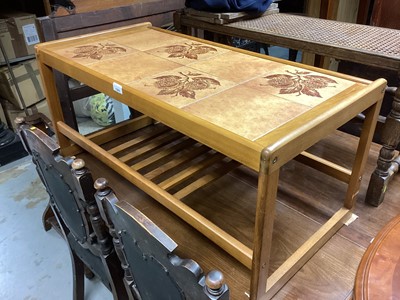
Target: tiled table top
247, 95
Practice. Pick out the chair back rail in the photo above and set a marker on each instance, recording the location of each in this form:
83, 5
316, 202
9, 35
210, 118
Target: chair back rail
70, 187
152, 270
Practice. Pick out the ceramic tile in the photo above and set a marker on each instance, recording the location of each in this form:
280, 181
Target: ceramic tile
133, 67
100, 51
149, 39
181, 86
299, 85
246, 112
188, 52
237, 67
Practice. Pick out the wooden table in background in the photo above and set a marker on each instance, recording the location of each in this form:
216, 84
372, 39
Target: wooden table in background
216, 114
378, 276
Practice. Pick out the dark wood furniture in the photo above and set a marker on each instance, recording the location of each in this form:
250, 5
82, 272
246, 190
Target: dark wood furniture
175, 79
70, 187
133, 257
367, 45
378, 275
386, 13
157, 12
151, 267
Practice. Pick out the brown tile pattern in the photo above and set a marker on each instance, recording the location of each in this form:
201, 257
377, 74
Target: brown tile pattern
187, 52
247, 95
95, 52
182, 86
299, 85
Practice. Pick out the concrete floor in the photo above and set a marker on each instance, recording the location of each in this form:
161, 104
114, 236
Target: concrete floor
34, 264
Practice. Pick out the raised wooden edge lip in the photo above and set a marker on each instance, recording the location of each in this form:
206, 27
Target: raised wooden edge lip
142, 25
361, 280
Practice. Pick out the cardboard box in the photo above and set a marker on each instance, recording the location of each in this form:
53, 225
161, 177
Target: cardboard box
11, 112
18, 34
29, 82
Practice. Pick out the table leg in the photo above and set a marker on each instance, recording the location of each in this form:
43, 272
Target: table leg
387, 164
367, 133
53, 101
61, 81
265, 213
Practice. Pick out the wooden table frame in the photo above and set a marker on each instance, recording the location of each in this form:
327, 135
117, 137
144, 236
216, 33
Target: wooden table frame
388, 161
285, 144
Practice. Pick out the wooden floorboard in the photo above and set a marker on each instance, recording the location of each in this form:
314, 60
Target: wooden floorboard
306, 199
331, 272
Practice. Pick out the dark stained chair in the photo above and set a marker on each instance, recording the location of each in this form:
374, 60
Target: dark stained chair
70, 187
152, 270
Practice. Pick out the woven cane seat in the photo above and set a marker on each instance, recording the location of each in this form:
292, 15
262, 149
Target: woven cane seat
370, 40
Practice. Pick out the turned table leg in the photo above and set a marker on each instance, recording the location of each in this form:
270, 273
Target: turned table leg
388, 163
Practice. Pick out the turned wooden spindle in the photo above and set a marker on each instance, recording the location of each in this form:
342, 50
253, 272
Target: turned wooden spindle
103, 190
86, 181
387, 164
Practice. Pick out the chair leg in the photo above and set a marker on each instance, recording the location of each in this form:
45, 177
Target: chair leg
78, 272
293, 54
46, 218
118, 287
88, 273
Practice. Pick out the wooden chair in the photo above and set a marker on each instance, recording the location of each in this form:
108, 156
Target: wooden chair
152, 270
70, 187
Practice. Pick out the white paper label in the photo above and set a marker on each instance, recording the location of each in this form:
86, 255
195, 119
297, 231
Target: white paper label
117, 88
30, 34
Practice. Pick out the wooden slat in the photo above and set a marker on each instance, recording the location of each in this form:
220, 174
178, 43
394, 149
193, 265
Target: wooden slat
155, 143
116, 131
178, 178
206, 179
190, 155
231, 245
111, 133
133, 142
186, 142
325, 166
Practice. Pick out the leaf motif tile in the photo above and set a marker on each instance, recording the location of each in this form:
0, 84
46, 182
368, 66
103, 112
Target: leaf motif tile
299, 85
149, 39
188, 52
247, 112
133, 67
237, 67
95, 52
182, 86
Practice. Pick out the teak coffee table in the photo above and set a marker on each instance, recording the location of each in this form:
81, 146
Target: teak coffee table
213, 108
